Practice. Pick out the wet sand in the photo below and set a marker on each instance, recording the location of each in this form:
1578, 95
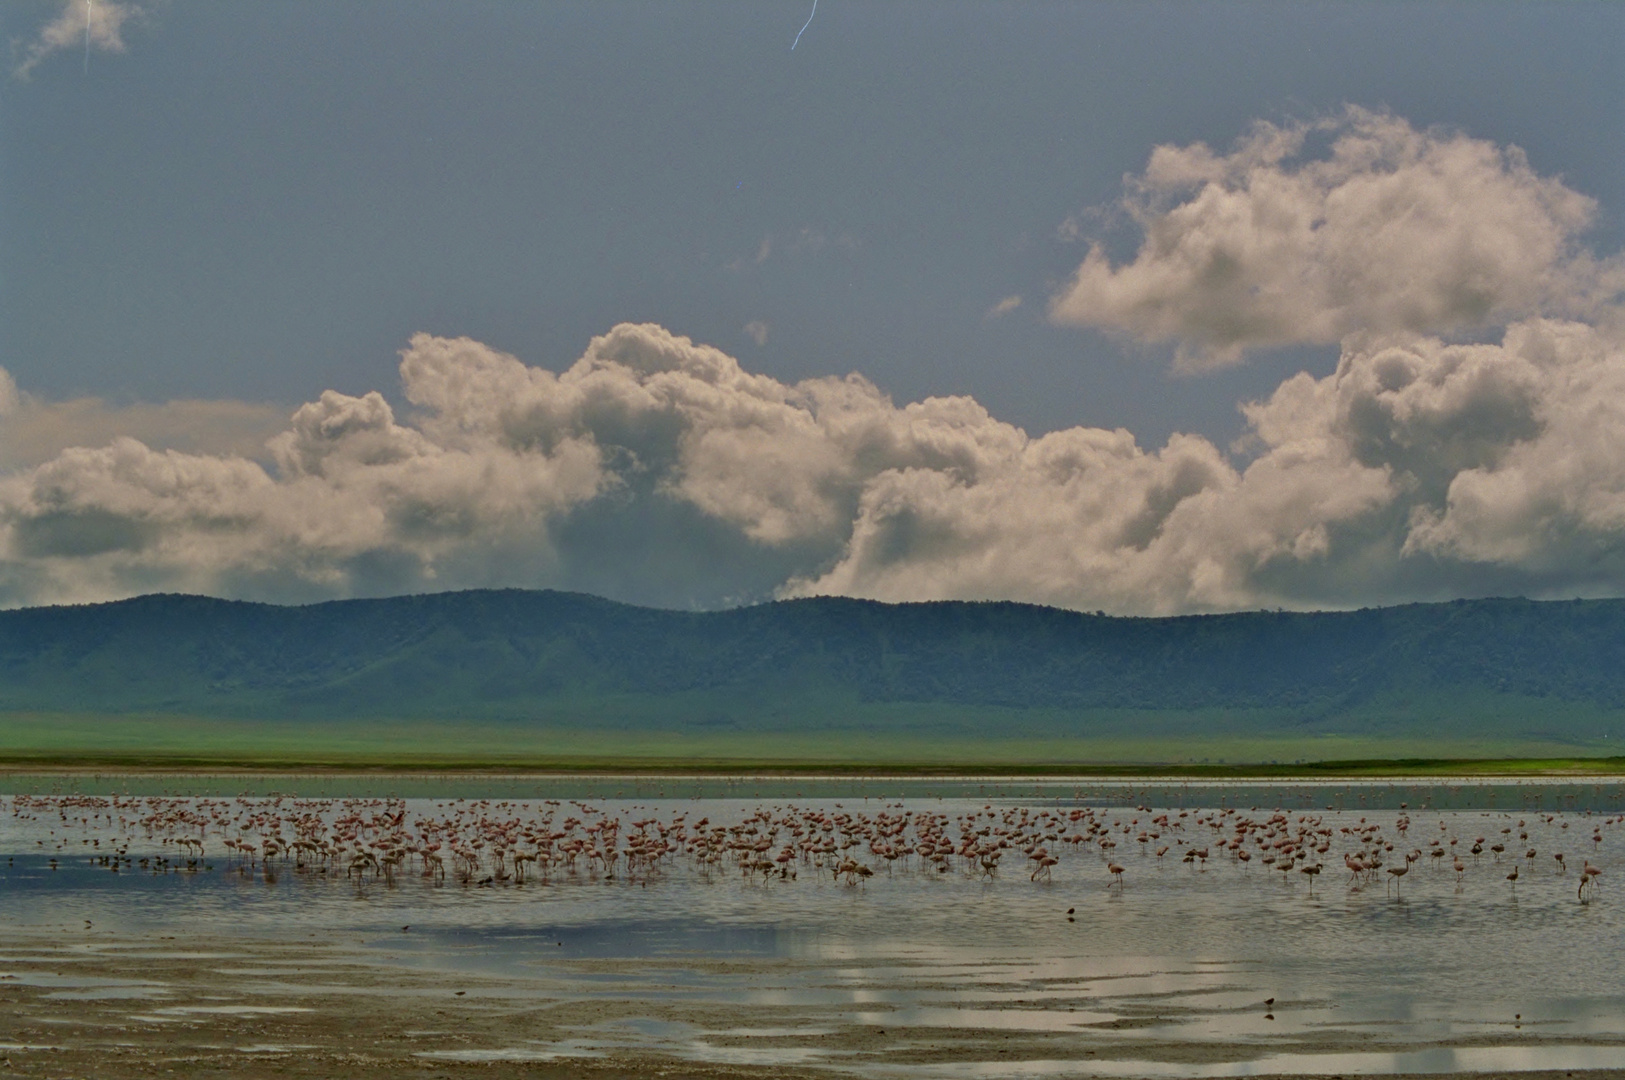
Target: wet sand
84, 1003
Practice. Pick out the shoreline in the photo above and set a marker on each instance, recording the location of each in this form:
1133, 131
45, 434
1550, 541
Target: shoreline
1442, 770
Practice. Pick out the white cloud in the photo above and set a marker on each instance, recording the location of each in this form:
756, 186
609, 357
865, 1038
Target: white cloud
1413, 470
1485, 467
763, 251
1389, 231
660, 470
476, 485
1548, 497
98, 22
1003, 307
33, 431
806, 242
757, 330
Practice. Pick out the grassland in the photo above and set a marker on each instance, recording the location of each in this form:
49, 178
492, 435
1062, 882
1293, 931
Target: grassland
178, 744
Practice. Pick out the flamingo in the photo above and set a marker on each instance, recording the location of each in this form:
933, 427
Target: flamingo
1586, 876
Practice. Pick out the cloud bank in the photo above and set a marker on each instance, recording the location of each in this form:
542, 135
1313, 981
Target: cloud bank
1416, 469
656, 469
33, 431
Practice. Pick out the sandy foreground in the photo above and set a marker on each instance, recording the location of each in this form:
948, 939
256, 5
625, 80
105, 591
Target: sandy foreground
87, 1004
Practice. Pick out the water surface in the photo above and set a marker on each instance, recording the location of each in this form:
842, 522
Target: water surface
1447, 972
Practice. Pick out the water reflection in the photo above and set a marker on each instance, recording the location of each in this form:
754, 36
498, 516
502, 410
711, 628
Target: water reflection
1214, 952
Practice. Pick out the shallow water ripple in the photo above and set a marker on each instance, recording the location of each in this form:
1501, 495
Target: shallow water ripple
926, 965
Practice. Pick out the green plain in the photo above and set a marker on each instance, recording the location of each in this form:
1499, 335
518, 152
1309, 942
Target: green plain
70, 742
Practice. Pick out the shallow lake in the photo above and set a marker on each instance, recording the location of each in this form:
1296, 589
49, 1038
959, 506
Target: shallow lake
1436, 969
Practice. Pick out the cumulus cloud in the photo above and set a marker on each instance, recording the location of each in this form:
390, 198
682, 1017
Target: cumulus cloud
1414, 471
1386, 230
98, 23
657, 469
1548, 495
757, 330
350, 501
497, 461
1414, 467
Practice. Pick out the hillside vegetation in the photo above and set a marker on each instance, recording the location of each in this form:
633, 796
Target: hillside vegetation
1508, 671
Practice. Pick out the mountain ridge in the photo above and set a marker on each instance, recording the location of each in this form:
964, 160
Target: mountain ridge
1515, 666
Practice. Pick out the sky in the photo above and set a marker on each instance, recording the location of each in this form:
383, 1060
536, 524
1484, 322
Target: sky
1146, 308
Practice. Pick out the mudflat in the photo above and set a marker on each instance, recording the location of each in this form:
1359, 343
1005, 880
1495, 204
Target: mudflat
96, 1004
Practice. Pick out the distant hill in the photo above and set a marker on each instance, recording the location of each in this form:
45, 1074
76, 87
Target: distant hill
1518, 668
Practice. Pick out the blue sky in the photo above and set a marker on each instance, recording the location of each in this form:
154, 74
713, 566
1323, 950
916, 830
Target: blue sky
236, 207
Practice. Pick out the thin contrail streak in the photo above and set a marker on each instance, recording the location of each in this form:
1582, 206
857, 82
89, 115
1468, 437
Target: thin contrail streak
87, 34
793, 44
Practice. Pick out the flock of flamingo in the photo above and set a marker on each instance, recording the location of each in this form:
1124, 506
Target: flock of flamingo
481, 843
